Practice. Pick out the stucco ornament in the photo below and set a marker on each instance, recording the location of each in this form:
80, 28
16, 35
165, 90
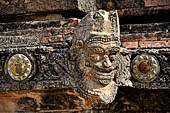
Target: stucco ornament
96, 62
18, 67
145, 68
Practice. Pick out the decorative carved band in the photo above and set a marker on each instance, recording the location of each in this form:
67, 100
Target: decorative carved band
91, 61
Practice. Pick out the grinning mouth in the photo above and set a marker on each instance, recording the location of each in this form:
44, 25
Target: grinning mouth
101, 70
102, 76
103, 79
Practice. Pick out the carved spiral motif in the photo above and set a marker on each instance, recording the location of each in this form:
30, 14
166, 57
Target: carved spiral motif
145, 68
19, 67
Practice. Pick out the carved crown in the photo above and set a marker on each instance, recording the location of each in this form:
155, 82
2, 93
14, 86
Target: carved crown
99, 26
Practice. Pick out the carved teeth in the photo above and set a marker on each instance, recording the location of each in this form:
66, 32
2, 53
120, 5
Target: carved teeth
105, 77
87, 63
104, 81
92, 92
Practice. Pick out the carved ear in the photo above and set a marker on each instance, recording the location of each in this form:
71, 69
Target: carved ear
79, 44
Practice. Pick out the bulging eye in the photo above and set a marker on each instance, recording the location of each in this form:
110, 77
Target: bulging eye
94, 58
112, 57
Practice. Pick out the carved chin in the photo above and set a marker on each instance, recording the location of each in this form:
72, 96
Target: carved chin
106, 94
97, 86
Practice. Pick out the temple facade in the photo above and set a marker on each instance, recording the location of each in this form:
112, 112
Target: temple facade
84, 56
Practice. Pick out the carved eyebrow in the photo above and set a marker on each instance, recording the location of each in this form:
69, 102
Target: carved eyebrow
111, 50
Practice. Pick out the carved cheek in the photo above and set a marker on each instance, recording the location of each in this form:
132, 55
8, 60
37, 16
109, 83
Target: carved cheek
90, 72
93, 61
99, 64
81, 63
107, 63
94, 58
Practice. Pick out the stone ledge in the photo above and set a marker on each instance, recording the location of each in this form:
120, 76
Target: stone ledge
14, 7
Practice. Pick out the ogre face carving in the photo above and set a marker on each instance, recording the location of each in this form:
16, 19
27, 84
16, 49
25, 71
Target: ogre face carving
99, 61
95, 57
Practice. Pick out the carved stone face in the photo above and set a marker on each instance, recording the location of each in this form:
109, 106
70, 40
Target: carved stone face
95, 57
96, 70
99, 62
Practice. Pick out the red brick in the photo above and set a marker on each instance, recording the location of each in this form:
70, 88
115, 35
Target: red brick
164, 39
164, 36
58, 38
74, 22
110, 5
168, 44
138, 37
44, 40
130, 44
149, 3
144, 44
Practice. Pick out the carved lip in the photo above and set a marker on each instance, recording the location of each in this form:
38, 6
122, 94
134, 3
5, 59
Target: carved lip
103, 76
105, 70
98, 69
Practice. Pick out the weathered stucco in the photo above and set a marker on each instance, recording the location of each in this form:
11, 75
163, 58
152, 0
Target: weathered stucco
49, 60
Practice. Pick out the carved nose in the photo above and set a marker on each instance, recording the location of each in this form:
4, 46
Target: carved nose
107, 62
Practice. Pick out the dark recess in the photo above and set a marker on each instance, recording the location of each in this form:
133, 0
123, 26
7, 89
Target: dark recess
33, 16
162, 16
